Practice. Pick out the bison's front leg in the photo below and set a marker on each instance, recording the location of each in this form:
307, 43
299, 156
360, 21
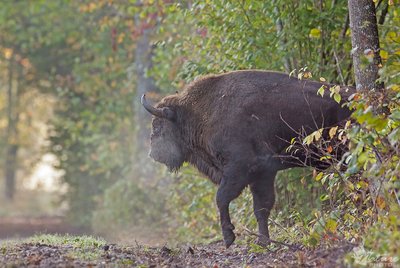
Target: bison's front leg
229, 189
263, 201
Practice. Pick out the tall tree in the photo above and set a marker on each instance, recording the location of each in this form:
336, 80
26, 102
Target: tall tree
144, 84
366, 57
10, 164
146, 25
365, 43
25, 41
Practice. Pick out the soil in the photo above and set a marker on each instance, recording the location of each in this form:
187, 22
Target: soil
213, 255
110, 255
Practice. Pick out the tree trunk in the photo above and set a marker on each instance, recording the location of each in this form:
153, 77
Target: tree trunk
282, 41
12, 132
144, 84
365, 43
366, 58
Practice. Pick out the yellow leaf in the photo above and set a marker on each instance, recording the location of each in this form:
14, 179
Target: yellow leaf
336, 89
7, 53
322, 79
363, 185
384, 54
319, 176
300, 76
395, 87
318, 134
121, 38
315, 33
307, 74
331, 226
332, 132
380, 202
308, 140
391, 35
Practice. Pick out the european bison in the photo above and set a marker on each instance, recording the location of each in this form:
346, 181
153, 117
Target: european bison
234, 128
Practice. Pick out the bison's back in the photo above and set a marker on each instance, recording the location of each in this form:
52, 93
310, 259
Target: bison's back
260, 107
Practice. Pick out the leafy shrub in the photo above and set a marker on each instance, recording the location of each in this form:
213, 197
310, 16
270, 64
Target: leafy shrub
126, 204
195, 215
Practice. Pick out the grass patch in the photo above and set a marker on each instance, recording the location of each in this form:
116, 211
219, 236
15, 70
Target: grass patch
83, 247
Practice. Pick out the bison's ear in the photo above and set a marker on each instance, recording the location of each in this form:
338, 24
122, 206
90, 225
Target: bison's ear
165, 112
168, 114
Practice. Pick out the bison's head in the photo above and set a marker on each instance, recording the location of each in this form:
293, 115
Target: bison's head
166, 140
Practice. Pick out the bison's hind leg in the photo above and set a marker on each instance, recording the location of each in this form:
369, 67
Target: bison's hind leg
262, 189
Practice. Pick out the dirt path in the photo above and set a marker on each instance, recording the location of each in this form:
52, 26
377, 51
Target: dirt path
213, 255
83, 251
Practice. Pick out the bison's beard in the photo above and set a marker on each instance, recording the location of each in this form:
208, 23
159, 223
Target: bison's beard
167, 153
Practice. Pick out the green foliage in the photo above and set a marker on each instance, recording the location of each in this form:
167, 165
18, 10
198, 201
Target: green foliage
386, 242
366, 196
125, 204
192, 205
66, 56
230, 35
92, 147
197, 215
293, 204
91, 133
381, 244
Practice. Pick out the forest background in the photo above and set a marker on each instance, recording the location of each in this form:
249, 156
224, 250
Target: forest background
71, 76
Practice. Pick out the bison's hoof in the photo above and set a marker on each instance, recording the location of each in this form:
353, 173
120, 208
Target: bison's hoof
229, 237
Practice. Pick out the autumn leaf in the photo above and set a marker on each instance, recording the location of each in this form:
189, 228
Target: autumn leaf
332, 132
331, 225
318, 134
315, 33
329, 149
380, 202
384, 54
319, 176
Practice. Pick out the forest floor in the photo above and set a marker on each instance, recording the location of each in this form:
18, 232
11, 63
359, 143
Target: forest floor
50, 250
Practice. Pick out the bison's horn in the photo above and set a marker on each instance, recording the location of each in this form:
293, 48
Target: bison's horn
165, 112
